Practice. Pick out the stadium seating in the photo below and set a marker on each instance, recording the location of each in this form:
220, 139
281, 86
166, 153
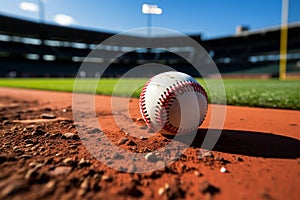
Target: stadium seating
33, 49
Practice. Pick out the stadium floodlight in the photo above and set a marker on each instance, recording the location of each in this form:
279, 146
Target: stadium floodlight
150, 10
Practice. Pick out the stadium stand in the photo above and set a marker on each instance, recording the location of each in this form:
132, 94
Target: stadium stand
255, 51
31, 49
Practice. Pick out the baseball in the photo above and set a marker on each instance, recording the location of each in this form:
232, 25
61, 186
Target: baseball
173, 103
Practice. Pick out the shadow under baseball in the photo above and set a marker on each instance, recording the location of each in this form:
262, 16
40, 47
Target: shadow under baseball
250, 143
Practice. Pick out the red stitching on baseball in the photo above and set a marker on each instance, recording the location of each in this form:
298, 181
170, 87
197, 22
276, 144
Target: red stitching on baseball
166, 100
143, 105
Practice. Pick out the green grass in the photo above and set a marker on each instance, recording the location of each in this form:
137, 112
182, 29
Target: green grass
270, 93
264, 93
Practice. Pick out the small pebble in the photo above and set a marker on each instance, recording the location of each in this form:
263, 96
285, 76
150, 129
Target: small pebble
37, 132
123, 140
30, 174
47, 116
42, 148
143, 138
6, 122
33, 148
50, 186
70, 136
32, 164
239, 159
61, 170
39, 165
66, 122
73, 146
29, 141
223, 169
28, 145
83, 162
107, 178
67, 161
15, 148
85, 184
197, 173
167, 186
161, 191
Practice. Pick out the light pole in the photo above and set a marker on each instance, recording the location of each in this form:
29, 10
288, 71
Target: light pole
41, 11
150, 10
283, 39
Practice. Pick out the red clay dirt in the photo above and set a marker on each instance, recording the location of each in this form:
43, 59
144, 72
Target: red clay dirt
42, 157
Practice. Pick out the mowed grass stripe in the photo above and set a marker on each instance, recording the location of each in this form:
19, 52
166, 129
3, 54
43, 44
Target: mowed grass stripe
271, 93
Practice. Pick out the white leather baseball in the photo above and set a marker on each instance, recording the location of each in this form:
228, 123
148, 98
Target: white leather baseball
173, 103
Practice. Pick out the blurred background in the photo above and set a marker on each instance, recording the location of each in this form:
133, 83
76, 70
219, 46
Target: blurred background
51, 38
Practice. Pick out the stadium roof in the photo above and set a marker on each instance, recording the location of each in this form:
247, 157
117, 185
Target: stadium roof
295, 27
24, 28
268, 29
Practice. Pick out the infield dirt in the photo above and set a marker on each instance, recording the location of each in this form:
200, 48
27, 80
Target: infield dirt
42, 156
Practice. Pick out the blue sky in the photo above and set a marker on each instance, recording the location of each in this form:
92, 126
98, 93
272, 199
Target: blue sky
211, 18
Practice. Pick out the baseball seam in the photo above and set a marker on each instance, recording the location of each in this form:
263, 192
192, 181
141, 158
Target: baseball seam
165, 102
143, 104
167, 99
